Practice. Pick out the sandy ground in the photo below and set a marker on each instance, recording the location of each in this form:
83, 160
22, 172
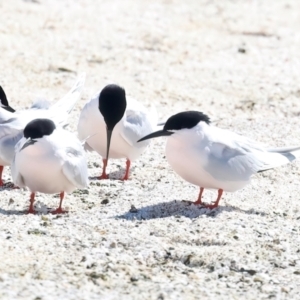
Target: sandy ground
237, 61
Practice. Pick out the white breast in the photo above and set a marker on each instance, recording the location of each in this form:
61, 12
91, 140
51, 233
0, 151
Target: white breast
41, 169
124, 137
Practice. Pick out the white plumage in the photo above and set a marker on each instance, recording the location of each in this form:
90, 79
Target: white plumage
13, 124
53, 163
214, 158
135, 123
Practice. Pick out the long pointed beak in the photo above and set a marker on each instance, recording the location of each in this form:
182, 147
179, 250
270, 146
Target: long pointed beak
29, 142
9, 108
108, 137
156, 134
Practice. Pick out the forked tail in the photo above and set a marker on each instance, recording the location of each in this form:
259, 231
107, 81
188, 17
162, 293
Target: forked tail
277, 157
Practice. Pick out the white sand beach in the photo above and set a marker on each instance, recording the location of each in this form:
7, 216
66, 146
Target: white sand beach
236, 61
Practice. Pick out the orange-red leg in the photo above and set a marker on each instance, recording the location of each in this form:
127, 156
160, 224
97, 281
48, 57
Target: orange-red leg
1, 180
31, 208
126, 176
216, 203
199, 201
104, 175
1, 171
59, 210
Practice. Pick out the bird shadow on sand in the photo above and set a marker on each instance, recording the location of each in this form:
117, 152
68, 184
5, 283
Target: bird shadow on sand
8, 186
179, 208
8, 212
39, 207
116, 175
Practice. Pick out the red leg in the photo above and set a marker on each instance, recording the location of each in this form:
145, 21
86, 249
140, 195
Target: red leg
31, 208
216, 203
104, 175
59, 210
199, 201
1, 181
126, 176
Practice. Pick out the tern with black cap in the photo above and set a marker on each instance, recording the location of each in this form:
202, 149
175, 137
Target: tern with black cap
49, 160
214, 158
114, 124
13, 124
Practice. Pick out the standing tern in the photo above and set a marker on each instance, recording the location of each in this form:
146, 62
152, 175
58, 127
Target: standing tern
13, 124
4, 101
49, 160
214, 158
114, 125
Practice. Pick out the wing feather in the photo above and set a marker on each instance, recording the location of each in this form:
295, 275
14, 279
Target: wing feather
138, 123
75, 166
232, 157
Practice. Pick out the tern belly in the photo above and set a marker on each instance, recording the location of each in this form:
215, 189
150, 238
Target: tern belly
189, 162
43, 174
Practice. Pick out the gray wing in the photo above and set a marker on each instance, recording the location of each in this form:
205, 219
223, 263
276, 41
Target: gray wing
8, 128
7, 145
136, 125
75, 167
41, 104
232, 163
17, 178
5, 115
11, 131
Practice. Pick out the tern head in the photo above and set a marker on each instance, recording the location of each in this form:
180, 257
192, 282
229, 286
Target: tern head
182, 120
38, 128
112, 106
4, 101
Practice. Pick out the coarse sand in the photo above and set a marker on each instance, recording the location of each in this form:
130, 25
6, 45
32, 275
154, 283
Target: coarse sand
238, 62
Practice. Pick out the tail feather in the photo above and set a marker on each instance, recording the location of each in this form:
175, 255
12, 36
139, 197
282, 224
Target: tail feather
67, 103
284, 149
280, 156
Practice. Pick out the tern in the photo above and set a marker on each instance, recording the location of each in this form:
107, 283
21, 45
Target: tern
114, 125
49, 160
214, 158
13, 124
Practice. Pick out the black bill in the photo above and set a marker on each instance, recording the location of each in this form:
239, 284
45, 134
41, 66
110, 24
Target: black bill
156, 134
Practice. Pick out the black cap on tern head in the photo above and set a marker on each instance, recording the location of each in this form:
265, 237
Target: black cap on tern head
38, 128
112, 104
3, 97
186, 120
182, 120
4, 101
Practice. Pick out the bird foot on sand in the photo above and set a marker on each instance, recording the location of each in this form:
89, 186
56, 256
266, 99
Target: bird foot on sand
209, 206
8, 185
103, 176
59, 211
